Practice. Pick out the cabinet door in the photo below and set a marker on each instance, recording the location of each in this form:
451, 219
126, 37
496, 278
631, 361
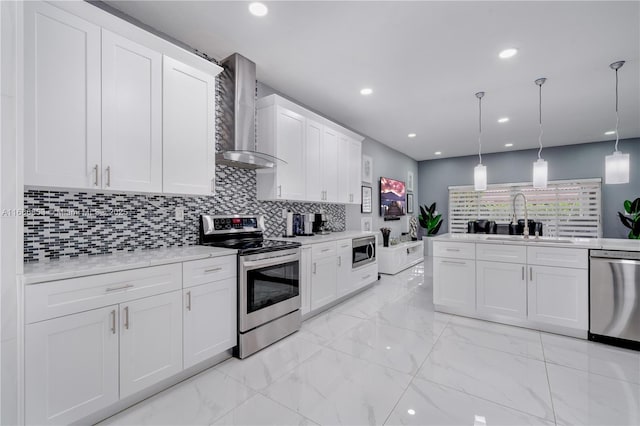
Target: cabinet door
345, 283
344, 189
313, 168
355, 170
188, 117
330, 164
501, 288
559, 296
71, 366
290, 134
454, 283
150, 341
131, 115
323, 281
305, 279
210, 320
62, 98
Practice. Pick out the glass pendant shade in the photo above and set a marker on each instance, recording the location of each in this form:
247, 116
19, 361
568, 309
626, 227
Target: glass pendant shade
480, 177
616, 168
540, 174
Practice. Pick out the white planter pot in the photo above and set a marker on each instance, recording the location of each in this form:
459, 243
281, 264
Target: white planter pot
428, 246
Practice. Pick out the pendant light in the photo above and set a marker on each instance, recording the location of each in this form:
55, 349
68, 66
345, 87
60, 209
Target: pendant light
616, 165
480, 171
540, 169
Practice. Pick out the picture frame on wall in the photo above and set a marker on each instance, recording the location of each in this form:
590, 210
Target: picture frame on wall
367, 169
366, 224
409, 181
409, 203
367, 199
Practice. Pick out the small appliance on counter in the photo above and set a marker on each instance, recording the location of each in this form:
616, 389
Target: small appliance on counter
307, 225
288, 227
319, 223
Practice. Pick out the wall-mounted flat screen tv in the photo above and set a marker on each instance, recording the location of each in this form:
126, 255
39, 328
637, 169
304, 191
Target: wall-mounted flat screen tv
393, 201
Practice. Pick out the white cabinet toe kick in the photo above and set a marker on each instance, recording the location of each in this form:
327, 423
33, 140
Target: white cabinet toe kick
543, 288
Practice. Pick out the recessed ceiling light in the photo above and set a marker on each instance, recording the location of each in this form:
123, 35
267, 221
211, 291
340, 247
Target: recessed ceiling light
503, 119
508, 145
610, 132
508, 53
411, 135
411, 412
438, 153
366, 91
258, 9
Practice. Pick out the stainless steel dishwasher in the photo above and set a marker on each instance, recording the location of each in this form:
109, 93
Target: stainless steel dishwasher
614, 297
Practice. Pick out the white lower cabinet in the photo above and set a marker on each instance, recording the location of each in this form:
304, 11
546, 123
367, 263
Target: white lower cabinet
454, 283
323, 281
559, 296
71, 366
344, 280
210, 323
501, 289
305, 279
150, 341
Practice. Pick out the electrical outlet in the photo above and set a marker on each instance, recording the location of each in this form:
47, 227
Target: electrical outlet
179, 213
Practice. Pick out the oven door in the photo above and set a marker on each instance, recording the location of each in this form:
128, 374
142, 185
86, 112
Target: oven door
364, 251
269, 287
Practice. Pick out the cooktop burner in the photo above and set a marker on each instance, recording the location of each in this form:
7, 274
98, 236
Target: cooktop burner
240, 232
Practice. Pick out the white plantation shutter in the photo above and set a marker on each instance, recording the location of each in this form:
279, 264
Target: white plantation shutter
570, 208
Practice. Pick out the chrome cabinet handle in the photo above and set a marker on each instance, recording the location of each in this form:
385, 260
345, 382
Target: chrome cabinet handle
452, 249
452, 262
523, 273
530, 273
124, 287
188, 301
323, 250
344, 246
108, 172
408, 251
95, 175
126, 317
339, 260
314, 267
113, 321
279, 190
219, 268
366, 276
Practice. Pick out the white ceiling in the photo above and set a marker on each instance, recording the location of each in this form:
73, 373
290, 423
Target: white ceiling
425, 61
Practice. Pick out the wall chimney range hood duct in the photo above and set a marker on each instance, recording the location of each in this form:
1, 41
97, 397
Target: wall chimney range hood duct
237, 147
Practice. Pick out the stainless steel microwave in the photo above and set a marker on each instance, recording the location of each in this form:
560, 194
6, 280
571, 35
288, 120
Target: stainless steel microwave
364, 251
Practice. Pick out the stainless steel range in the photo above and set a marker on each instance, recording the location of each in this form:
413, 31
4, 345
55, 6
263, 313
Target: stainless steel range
268, 279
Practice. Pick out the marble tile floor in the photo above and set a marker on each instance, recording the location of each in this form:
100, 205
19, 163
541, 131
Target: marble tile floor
385, 357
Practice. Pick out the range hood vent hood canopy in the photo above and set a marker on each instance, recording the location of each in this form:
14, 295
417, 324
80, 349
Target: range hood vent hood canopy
238, 143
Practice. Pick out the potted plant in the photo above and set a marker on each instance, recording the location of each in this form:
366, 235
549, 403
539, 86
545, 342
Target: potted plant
431, 221
631, 218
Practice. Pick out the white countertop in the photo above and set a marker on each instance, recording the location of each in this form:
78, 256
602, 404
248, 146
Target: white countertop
333, 236
586, 243
90, 265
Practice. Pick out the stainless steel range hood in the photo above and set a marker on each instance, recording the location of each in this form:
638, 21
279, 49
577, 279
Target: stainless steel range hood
237, 146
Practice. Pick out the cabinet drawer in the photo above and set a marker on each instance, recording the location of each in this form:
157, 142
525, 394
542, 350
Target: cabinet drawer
324, 250
363, 276
57, 298
501, 253
558, 256
344, 244
205, 271
456, 250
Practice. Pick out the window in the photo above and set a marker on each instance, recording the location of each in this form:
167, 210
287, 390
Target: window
566, 208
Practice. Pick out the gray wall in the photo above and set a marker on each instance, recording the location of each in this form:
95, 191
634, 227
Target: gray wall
565, 162
387, 162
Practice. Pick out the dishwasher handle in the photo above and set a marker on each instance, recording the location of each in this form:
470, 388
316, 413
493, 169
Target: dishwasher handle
615, 254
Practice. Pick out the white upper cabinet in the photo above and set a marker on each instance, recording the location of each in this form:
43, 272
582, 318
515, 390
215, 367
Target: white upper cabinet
62, 98
322, 158
102, 113
281, 133
131, 115
188, 129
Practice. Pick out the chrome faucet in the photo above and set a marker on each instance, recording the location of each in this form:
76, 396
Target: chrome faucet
526, 214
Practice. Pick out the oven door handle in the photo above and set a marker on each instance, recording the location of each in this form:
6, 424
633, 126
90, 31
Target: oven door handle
255, 264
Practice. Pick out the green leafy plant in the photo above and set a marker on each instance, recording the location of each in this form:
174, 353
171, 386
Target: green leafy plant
430, 219
632, 218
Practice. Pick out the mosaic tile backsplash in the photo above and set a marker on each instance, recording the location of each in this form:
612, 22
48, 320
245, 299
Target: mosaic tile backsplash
68, 224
